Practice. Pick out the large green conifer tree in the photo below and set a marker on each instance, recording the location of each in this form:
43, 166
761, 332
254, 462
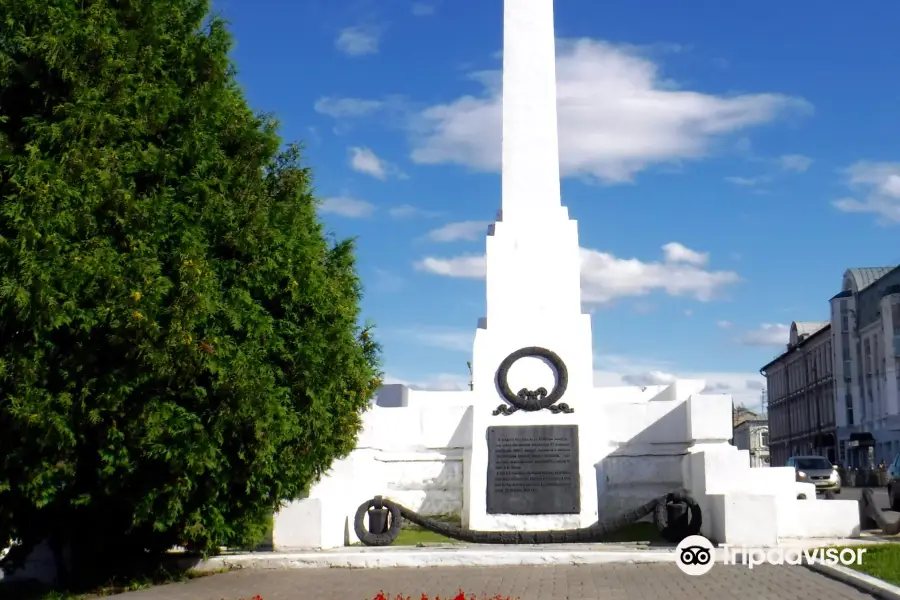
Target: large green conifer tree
179, 340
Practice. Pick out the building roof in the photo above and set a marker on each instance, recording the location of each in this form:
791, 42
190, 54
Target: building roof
739, 414
809, 329
859, 278
751, 422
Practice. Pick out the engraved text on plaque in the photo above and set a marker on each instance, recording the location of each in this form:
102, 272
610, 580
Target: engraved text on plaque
533, 470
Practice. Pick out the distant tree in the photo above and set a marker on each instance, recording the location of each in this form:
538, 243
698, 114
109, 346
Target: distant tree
179, 339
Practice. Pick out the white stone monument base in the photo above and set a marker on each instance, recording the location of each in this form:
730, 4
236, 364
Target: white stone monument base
636, 444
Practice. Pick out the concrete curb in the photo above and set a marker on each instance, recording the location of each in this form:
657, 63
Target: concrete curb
430, 558
360, 557
860, 581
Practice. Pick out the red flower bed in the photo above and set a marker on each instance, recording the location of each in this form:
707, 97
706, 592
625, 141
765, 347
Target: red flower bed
460, 595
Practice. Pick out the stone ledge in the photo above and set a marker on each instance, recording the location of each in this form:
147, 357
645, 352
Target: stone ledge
471, 555
433, 557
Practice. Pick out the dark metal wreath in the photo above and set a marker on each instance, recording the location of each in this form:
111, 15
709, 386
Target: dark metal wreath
533, 400
676, 516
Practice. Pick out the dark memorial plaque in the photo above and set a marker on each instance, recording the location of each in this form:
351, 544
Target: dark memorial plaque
533, 470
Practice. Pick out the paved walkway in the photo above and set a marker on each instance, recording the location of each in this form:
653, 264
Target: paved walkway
598, 582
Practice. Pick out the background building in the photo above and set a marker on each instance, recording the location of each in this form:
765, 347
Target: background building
752, 434
865, 321
800, 387
741, 413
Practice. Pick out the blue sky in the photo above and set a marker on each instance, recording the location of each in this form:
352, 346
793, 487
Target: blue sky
737, 157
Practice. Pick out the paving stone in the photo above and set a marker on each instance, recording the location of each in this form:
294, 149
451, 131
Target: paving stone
651, 581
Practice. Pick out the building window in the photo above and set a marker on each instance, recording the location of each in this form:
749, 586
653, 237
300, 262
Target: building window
764, 439
820, 362
895, 317
848, 403
845, 322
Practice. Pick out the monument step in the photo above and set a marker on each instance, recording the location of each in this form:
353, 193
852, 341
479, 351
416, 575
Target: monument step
476, 555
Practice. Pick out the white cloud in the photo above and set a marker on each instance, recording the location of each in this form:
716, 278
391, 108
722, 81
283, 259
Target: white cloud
677, 253
879, 184
743, 146
787, 163
364, 160
617, 116
439, 382
315, 137
724, 324
469, 266
408, 211
446, 339
605, 277
649, 378
795, 162
347, 107
386, 281
748, 181
769, 334
462, 231
358, 41
615, 370
346, 206
643, 307
423, 9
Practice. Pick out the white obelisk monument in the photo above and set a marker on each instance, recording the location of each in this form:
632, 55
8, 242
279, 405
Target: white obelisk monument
533, 470
533, 266
533, 260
